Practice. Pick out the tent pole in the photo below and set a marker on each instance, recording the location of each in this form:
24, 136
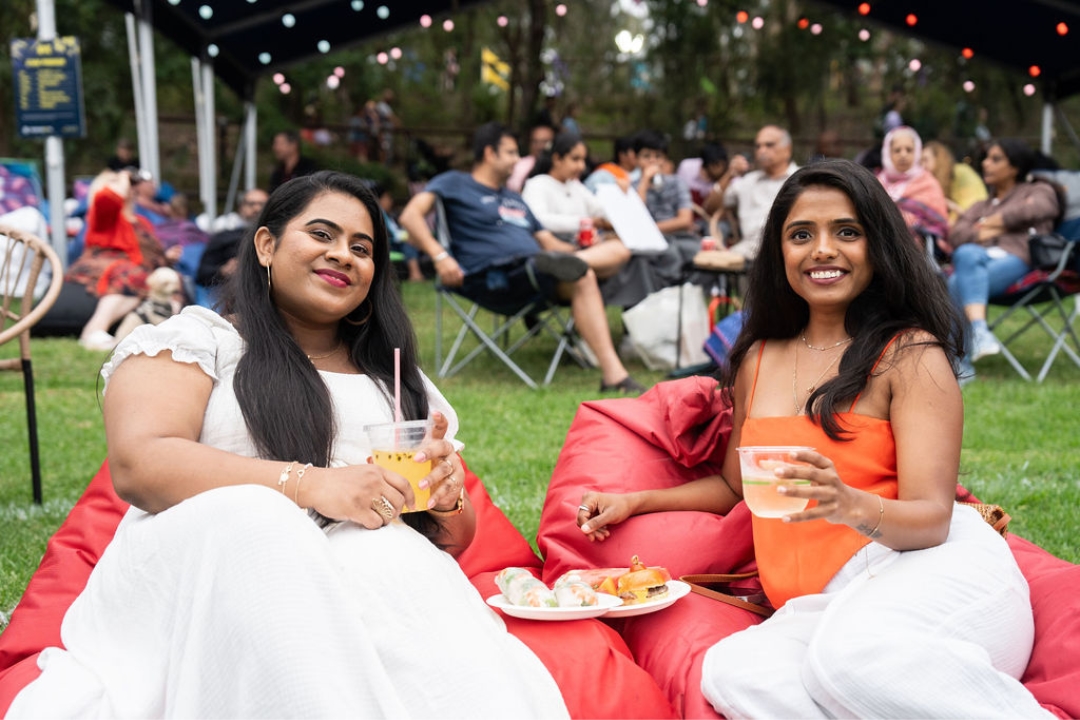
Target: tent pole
136, 86
54, 152
1047, 127
209, 171
149, 80
250, 118
200, 126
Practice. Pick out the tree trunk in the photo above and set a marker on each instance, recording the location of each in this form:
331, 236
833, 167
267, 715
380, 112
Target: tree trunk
534, 68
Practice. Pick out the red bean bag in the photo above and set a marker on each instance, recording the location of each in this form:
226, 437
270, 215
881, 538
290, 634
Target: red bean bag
589, 660
676, 432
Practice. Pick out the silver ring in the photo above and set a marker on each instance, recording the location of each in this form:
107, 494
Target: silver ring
383, 506
586, 508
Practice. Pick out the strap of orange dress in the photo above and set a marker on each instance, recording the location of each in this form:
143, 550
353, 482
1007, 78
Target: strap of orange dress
797, 559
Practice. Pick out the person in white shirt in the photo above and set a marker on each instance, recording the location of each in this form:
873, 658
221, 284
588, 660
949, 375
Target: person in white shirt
752, 195
560, 201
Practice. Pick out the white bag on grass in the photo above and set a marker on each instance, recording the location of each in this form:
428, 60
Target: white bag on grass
653, 325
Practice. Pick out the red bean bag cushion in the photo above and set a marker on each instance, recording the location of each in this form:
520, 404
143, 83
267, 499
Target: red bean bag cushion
588, 660
677, 432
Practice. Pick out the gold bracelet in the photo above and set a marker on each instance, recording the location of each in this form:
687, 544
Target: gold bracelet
296, 487
459, 506
284, 477
881, 516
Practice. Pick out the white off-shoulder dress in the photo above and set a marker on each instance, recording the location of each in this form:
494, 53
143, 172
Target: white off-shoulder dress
234, 603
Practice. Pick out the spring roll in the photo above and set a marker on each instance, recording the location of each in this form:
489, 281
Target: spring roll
520, 587
572, 591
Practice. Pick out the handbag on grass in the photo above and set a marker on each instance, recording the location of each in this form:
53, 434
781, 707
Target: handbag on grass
724, 587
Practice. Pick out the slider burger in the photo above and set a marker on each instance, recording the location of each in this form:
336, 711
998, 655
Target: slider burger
642, 584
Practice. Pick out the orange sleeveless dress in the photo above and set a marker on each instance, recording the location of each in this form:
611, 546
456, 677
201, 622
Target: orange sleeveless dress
797, 559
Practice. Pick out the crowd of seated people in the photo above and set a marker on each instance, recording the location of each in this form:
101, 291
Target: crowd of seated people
132, 226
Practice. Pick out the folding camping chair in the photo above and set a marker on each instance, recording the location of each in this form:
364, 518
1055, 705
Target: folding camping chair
535, 318
1043, 295
22, 258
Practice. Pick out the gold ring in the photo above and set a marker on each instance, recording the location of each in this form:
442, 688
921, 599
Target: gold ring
382, 506
450, 465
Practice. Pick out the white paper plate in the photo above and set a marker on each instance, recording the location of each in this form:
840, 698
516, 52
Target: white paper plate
604, 604
676, 589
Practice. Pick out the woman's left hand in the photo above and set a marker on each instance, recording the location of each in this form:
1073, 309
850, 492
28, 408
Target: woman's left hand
447, 475
836, 502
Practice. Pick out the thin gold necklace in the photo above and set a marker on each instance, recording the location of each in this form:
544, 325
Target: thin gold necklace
323, 357
824, 347
810, 390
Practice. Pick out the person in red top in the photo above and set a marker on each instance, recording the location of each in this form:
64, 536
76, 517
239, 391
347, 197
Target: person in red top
121, 249
891, 600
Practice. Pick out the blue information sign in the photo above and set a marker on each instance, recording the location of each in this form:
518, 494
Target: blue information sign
48, 87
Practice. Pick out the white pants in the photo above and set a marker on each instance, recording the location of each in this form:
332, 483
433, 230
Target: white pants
234, 604
940, 632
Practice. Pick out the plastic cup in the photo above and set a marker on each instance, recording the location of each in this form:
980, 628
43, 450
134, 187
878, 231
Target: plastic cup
759, 481
393, 446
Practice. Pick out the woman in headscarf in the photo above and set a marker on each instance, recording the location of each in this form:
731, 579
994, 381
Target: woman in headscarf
914, 190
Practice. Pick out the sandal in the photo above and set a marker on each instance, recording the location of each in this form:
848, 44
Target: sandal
626, 386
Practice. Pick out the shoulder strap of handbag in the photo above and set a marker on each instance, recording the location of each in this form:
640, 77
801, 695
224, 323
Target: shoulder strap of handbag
697, 584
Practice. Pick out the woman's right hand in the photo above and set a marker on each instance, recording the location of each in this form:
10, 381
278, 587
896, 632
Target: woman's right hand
354, 492
599, 511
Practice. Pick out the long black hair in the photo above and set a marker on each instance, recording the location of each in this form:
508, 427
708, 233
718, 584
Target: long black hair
904, 293
286, 404
563, 144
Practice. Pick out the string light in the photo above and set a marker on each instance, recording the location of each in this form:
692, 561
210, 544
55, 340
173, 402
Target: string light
864, 8
911, 19
1034, 71
968, 53
1029, 89
425, 21
742, 16
1062, 29
803, 23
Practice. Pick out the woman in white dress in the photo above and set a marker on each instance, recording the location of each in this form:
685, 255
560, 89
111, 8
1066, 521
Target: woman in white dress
560, 201
265, 568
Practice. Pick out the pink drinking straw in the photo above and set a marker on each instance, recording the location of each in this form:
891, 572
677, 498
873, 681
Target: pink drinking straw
397, 385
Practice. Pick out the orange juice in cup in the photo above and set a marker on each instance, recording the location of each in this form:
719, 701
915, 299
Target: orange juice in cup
759, 481
393, 447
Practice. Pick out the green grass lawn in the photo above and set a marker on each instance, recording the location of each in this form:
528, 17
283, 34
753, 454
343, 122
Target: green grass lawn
1020, 439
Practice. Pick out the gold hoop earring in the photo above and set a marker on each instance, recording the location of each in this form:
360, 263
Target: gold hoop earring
367, 317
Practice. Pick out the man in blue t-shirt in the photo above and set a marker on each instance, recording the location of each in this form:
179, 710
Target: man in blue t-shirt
500, 255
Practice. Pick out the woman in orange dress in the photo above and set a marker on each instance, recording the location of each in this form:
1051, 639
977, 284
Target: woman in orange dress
891, 600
